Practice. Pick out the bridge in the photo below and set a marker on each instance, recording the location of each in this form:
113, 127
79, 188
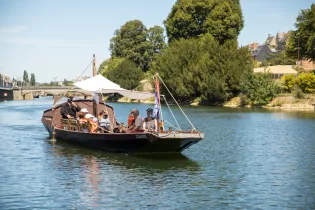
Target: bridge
29, 92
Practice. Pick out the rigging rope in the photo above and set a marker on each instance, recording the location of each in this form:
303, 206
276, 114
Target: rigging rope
171, 113
85, 70
176, 102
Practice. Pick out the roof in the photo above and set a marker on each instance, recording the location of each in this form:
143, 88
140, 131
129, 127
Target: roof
280, 69
99, 84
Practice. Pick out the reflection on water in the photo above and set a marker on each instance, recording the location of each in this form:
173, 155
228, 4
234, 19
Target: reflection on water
250, 159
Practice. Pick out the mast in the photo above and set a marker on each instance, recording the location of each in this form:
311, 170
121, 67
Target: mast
94, 74
94, 66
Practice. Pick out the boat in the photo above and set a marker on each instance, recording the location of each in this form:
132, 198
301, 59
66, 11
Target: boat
120, 140
6, 93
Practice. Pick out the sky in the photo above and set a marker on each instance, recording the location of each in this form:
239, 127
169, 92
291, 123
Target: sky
55, 40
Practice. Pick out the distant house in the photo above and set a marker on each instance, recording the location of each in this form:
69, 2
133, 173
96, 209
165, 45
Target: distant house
253, 46
271, 41
277, 71
5, 81
262, 51
272, 45
282, 39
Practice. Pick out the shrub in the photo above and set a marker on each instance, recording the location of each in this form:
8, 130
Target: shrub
260, 88
288, 82
297, 92
306, 81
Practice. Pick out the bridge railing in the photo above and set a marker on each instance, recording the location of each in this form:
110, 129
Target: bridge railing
46, 88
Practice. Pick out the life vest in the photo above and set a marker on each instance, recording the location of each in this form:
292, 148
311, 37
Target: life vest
131, 121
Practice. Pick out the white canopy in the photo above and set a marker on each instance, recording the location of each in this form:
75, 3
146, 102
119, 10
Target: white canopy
99, 84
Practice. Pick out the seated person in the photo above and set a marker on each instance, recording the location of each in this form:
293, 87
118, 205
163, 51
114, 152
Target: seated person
105, 122
131, 120
150, 123
137, 126
93, 121
83, 123
100, 115
69, 109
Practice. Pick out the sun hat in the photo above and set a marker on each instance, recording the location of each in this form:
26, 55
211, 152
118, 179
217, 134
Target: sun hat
84, 110
89, 116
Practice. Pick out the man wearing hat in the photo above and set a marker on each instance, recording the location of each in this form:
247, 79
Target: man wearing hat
69, 109
138, 120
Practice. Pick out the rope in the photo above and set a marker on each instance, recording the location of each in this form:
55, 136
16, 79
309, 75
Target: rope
176, 102
171, 125
171, 112
85, 70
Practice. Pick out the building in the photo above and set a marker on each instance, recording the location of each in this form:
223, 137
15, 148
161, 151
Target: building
252, 47
272, 45
277, 71
262, 51
5, 81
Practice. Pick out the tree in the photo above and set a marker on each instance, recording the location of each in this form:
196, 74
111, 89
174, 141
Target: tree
260, 88
304, 36
124, 72
32, 81
192, 18
202, 68
25, 78
134, 42
278, 59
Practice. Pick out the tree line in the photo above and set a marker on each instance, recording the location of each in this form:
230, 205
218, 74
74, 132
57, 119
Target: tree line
199, 58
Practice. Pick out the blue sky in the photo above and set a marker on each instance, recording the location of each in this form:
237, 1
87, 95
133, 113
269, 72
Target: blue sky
57, 38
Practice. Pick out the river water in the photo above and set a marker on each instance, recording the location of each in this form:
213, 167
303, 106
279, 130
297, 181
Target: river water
249, 159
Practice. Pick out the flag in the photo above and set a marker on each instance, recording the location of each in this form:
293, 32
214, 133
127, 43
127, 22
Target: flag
156, 110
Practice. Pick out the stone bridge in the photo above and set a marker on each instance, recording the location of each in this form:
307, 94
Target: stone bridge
27, 93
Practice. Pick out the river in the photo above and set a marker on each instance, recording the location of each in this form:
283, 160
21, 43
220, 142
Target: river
249, 159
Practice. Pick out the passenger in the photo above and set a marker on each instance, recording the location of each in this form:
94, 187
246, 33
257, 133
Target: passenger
137, 126
69, 109
93, 121
150, 123
105, 122
83, 122
100, 116
131, 120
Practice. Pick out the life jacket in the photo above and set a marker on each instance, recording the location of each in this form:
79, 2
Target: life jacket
131, 121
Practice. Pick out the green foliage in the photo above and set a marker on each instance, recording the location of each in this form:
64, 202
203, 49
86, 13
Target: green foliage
278, 59
33, 80
260, 88
109, 64
297, 92
203, 68
191, 18
67, 82
134, 42
25, 77
304, 36
288, 82
306, 81
124, 72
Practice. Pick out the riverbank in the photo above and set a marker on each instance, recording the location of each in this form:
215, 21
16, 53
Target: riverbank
286, 102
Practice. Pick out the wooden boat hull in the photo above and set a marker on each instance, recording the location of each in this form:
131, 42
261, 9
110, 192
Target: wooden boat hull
129, 142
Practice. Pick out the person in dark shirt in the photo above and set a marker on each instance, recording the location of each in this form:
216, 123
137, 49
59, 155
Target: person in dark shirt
69, 109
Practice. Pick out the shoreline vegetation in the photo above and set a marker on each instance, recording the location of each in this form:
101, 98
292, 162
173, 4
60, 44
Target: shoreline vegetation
282, 102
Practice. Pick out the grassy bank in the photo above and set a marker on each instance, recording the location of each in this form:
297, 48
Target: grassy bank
287, 101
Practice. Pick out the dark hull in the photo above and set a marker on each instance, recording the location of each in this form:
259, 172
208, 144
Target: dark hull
129, 142
6, 94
